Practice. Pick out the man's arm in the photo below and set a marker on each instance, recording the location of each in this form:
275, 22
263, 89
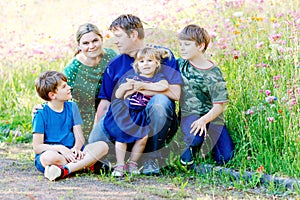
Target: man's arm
101, 110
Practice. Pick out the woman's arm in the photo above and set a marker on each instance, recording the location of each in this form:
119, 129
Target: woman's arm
101, 110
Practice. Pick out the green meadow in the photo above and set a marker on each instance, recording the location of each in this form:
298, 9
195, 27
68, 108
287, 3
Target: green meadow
255, 43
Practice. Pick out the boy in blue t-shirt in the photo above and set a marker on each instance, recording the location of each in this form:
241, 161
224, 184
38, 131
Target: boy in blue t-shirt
58, 139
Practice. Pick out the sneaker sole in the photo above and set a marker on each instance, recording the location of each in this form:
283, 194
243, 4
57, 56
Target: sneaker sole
153, 173
186, 163
52, 172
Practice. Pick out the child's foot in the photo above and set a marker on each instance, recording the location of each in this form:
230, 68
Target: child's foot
118, 171
186, 158
100, 167
54, 172
132, 168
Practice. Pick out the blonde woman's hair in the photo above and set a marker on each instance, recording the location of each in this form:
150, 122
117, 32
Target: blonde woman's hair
157, 54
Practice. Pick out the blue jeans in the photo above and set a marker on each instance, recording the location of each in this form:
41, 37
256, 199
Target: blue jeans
160, 112
163, 122
218, 140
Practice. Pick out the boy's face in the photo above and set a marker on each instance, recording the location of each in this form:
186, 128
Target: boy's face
123, 41
188, 49
63, 92
91, 45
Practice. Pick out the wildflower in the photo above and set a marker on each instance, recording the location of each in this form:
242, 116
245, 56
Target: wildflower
280, 111
270, 119
260, 169
270, 99
107, 34
249, 158
275, 37
263, 65
259, 45
235, 57
268, 92
249, 112
213, 34
238, 14
273, 19
236, 32
293, 102
275, 78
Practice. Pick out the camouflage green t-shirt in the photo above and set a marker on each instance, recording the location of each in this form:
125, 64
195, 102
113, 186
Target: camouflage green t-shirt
201, 89
86, 82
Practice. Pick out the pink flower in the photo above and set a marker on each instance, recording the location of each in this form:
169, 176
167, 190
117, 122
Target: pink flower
293, 102
249, 112
270, 119
268, 92
275, 78
259, 45
271, 99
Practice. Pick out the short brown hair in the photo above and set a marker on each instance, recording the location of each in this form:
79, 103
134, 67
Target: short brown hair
156, 54
48, 81
128, 23
195, 33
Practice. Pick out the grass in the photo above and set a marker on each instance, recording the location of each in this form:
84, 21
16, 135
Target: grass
255, 43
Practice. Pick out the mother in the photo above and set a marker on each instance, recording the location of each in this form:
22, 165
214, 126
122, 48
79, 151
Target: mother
85, 72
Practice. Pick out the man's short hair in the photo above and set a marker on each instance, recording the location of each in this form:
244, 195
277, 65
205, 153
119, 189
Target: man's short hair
128, 23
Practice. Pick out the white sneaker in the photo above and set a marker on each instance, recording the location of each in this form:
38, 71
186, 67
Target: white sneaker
118, 171
52, 172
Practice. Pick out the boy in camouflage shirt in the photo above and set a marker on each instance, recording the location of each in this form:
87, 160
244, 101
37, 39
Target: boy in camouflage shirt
203, 96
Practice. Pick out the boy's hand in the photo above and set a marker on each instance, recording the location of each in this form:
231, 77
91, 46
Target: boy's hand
68, 154
199, 126
78, 154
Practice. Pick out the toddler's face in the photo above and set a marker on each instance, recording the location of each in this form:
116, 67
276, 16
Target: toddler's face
147, 66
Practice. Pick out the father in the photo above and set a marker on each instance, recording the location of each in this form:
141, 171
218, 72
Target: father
129, 37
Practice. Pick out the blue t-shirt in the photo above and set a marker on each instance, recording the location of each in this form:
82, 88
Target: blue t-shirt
121, 64
57, 127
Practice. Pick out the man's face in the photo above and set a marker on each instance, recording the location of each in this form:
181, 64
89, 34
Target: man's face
123, 41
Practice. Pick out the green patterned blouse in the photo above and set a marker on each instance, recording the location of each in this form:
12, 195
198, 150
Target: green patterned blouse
86, 82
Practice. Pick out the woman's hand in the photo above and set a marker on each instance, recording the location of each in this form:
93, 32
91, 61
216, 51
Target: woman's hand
35, 108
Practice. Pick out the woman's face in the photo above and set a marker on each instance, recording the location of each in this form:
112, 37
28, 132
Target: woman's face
90, 45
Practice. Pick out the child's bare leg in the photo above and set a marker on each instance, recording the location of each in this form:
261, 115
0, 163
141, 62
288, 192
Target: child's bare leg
50, 157
138, 149
120, 152
93, 152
